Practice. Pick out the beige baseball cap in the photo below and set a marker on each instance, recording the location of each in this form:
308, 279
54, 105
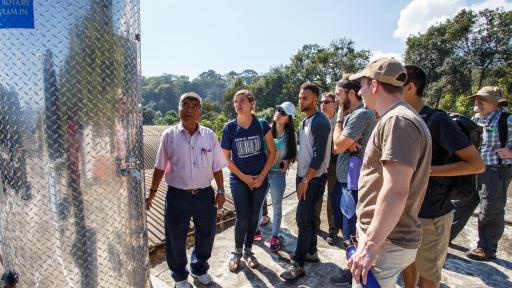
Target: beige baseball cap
491, 94
385, 70
191, 95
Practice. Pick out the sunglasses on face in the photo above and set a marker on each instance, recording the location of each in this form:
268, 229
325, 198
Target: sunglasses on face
326, 102
281, 112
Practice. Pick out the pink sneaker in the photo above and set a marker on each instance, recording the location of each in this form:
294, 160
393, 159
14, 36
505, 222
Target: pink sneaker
258, 236
275, 244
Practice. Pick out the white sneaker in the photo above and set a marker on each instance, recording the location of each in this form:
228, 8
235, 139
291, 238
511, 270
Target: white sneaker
183, 284
204, 279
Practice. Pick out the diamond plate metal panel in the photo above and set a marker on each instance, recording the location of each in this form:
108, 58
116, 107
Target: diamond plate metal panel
71, 197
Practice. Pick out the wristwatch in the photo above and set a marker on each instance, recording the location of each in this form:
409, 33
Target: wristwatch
221, 191
305, 180
151, 190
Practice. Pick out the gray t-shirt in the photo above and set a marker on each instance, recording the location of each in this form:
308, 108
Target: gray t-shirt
358, 125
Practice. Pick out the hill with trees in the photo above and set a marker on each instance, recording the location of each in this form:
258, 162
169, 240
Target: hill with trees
461, 55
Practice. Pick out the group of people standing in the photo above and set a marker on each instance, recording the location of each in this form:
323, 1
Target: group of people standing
383, 160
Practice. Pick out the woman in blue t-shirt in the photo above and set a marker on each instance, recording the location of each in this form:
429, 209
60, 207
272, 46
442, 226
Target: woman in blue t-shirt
285, 141
244, 141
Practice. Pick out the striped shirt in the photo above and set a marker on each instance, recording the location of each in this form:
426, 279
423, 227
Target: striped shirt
490, 137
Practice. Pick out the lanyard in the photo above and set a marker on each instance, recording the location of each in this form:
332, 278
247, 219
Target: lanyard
488, 125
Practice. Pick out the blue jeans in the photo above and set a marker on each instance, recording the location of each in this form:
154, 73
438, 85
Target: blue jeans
348, 206
344, 202
276, 186
247, 206
306, 218
180, 206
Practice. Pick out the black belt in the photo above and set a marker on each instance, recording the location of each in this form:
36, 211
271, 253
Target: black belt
192, 191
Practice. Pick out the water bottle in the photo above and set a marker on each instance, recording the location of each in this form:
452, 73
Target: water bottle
371, 281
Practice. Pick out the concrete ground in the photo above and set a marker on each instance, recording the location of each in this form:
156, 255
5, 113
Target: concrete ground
458, 270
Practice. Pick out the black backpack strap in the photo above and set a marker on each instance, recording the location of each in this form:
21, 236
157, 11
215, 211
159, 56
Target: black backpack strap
431, 115
263, 143
503, 128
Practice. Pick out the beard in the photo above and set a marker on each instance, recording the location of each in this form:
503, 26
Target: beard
346, 104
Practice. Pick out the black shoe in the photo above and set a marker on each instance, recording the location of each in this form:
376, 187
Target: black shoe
331, 238
312, 258
480, 254
342, 279
293, 272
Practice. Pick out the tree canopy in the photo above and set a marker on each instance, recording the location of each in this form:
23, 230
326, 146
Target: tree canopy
471, 50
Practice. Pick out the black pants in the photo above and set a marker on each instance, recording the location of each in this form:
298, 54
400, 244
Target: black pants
306, 218
492, 197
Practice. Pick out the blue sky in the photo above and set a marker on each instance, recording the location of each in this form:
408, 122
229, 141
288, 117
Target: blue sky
187, 37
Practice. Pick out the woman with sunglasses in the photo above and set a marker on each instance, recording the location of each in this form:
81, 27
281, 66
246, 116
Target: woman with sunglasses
250, 151
285, 142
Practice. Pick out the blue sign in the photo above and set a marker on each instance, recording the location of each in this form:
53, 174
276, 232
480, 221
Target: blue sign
17, 14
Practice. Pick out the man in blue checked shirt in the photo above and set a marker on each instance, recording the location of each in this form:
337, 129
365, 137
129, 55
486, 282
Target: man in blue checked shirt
492, 185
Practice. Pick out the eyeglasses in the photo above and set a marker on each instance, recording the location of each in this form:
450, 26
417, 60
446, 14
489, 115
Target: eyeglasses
326, 102
191, 107
281, 112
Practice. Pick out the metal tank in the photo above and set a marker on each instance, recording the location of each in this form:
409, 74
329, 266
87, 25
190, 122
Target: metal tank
71, 191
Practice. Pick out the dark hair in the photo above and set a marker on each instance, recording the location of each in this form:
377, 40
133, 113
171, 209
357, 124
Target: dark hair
348, 85
417, 76
329, 94
311, 87
291, 141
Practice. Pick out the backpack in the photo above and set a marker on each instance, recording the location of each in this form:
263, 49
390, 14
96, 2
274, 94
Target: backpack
461, 187
263, 144
503, 130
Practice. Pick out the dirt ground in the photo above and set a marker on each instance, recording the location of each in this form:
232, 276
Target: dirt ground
459, 271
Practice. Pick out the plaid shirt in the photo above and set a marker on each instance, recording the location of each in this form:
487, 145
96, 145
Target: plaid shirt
490, 137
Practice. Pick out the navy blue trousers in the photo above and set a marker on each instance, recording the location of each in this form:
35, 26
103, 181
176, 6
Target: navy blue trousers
180, 207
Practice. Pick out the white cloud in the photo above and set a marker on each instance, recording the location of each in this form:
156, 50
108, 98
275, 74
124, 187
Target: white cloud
376, 54
492, 4
421, 14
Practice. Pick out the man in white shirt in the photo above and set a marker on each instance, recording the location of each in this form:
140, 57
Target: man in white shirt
190, 157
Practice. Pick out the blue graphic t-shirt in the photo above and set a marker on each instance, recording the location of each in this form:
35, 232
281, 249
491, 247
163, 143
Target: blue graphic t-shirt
246, 145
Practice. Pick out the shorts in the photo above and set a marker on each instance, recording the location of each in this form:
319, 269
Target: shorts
434, 246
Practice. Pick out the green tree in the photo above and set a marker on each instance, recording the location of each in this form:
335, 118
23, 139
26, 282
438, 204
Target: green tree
162, 93
326, 65
210, 110
213, 85
266, 114
227, 102
215, 124
148, 115
170, 118
463, 54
